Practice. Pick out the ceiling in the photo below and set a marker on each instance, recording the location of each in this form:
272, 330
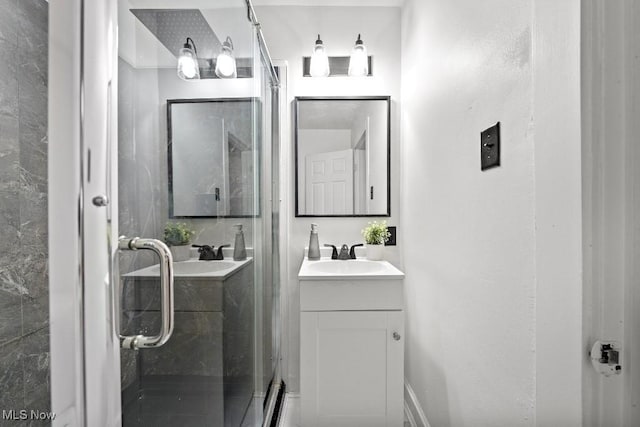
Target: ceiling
172, 27
388, 3
218, 4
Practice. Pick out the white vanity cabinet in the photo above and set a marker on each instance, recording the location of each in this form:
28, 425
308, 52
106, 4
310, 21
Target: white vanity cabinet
352, 350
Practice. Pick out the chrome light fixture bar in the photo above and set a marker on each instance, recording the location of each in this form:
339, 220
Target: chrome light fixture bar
319, 64
338, 66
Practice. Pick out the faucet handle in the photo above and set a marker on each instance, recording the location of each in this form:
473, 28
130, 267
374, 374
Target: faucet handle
334, 253
352, 252
219, 255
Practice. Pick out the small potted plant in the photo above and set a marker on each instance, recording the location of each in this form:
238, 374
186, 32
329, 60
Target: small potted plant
178, 236
375, 235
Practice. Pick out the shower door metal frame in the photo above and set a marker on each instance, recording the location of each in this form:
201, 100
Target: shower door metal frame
85, 365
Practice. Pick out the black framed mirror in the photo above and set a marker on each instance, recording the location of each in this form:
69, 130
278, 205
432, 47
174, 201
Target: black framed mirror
342, 156
211, 157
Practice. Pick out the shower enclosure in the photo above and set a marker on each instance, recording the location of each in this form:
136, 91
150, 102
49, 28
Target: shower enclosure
136, 338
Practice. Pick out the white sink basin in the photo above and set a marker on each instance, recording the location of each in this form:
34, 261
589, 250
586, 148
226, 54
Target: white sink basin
194, 268
357, 284
329, 269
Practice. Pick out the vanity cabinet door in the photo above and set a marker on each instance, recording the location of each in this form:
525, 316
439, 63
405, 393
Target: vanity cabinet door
352, 370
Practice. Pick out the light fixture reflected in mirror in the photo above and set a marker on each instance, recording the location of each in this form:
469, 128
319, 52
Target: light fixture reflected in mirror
359, 62
188, 61
226, 62
319, 60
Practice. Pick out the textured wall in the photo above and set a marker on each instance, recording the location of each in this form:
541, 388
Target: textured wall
468, 236
24, 308
494, 262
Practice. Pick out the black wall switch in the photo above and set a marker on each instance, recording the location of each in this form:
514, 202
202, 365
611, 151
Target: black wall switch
490, 147
392, 238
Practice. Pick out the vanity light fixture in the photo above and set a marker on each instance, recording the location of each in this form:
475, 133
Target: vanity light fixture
359, 61
319, 60
358, 64
226, 62
188, 61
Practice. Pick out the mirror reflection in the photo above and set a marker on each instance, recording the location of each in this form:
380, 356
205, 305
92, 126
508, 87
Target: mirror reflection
342, 156
211, 158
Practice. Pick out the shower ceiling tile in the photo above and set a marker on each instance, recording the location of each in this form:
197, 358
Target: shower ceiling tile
172, 27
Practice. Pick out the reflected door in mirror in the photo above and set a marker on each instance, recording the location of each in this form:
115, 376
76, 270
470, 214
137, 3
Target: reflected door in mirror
342, 156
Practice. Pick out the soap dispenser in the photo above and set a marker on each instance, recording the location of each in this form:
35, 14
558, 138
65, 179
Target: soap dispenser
239, 250
314, 245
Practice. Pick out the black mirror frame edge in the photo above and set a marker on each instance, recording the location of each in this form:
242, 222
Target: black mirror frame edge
296, 102
170, 102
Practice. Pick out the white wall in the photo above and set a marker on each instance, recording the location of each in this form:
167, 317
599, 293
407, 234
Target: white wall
290, 33
493, 258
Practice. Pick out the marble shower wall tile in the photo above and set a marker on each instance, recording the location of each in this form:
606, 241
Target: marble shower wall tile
9, 121
36, 370
24, 295
11, 376
11, 283
8, 21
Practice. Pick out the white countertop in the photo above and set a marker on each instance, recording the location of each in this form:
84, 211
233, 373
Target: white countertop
353, 269
193, 268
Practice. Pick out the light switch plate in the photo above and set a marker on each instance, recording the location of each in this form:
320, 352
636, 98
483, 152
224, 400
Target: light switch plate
490, 147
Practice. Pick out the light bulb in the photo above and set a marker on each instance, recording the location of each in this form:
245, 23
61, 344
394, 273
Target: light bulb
187, 67
359, 61
319, 60
226, 63
188, 63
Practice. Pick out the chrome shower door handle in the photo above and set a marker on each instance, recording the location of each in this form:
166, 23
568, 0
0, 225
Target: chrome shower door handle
166, 291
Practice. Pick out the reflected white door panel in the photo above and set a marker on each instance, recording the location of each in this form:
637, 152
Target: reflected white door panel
329, 181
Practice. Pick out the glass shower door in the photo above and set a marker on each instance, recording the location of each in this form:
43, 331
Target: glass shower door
191, 161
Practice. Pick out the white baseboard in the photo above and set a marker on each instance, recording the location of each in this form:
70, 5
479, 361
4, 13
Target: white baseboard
412, 408
286, 407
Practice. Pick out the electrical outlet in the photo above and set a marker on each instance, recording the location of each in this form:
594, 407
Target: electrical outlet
392, 238
490, 147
